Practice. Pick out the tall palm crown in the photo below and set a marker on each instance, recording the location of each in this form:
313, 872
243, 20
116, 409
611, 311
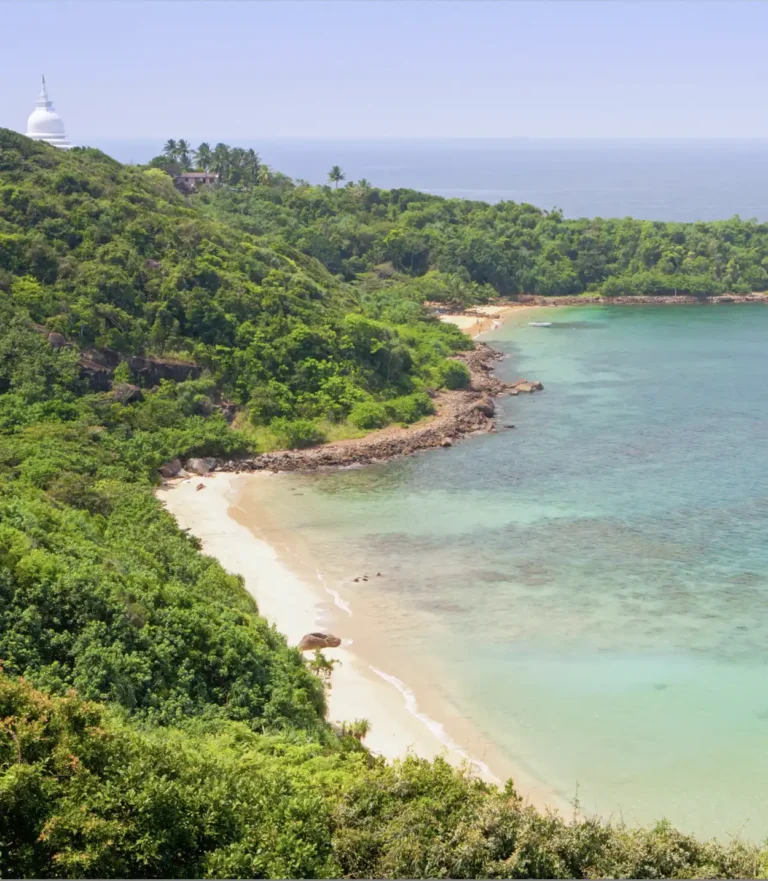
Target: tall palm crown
220, 160
170, 149
336, 175
203, 156
183, 153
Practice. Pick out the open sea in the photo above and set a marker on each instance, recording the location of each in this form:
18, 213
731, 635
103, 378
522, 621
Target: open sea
590, 587
651, 180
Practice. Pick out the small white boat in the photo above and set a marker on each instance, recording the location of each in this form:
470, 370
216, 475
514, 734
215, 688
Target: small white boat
539, 324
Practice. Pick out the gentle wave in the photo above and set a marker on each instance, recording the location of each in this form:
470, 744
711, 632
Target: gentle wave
337, 600
437, 728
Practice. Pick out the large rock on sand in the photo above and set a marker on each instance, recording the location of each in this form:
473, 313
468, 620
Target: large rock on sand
170, 469
312, 641
201, 466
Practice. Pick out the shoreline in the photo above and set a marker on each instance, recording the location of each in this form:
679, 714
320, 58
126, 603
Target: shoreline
478, 320
641, 300
458, 413
294, 598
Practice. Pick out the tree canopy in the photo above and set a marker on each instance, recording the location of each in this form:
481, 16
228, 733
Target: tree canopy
152, 724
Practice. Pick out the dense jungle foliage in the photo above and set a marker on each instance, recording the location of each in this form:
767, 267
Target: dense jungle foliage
152, 724
111, 256
513, 248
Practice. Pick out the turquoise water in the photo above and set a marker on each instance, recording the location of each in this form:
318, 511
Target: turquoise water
593, 585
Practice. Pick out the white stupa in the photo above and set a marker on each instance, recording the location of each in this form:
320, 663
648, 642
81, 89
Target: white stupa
45, 124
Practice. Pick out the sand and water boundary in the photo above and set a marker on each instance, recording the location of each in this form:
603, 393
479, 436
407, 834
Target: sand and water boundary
222, 510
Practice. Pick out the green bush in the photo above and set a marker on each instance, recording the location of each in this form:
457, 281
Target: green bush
297, 433
368, 415
454, 375
410, 408
270, 401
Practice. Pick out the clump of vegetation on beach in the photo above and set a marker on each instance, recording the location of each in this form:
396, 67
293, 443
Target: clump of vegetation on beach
152, 724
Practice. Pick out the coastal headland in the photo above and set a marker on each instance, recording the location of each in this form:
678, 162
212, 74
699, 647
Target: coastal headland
458, 413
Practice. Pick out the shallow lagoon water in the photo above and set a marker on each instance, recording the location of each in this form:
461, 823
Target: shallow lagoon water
590, 588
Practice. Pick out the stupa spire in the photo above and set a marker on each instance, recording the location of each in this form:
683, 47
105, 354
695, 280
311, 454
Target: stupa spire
45, 124
42, 98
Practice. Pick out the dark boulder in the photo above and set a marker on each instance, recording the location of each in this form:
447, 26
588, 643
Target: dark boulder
126, 393
485, 406
170, 469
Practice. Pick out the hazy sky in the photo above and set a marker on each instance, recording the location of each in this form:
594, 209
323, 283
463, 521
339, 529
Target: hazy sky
364, 68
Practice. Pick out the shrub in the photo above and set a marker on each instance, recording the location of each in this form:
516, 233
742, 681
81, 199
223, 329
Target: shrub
410, 408
297, 433
122, 374
454, 375
270, 401
369, 414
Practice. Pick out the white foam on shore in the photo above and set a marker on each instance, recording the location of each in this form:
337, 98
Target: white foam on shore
334, 594
437, 728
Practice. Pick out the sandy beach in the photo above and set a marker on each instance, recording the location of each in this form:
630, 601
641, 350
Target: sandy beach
296, 601
296, 607
292, 594
480, 319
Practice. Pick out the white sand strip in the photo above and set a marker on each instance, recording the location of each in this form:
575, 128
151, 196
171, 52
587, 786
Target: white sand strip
295, 608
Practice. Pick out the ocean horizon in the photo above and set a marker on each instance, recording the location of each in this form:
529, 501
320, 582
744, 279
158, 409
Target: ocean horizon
667, 180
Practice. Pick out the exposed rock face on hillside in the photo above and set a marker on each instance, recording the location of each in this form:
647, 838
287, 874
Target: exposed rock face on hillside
98, 366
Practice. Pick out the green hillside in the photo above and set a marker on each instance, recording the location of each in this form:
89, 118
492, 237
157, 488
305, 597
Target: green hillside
515, 248
152, 724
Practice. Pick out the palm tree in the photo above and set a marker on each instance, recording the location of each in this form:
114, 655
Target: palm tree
336, 175
220, 161
252, 165
203, 156
364, 184
183, 151
170, 149
357, 729
264, 176
236, 165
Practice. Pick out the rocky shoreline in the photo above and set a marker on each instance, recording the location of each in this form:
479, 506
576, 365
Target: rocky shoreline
682, 300
459, 413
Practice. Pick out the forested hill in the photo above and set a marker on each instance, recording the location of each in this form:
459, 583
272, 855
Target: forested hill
516, 248
152, 724
113, 257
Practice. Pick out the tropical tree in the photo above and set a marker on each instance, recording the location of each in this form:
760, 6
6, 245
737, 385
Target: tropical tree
364, 184
220, 161
264, 176
184, 153
171, 149
336, 175
252, 165
203, 156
